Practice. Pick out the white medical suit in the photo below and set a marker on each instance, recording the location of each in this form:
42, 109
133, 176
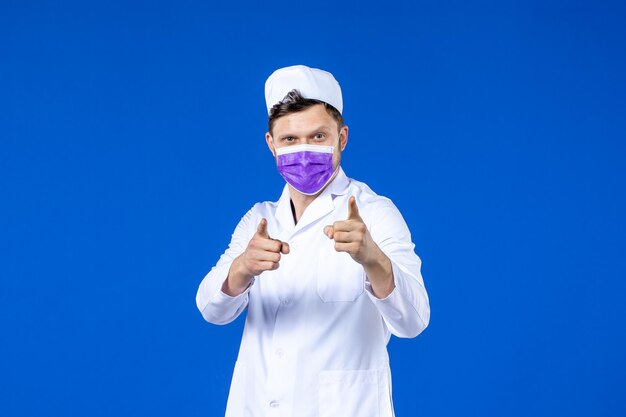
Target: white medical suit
315, 337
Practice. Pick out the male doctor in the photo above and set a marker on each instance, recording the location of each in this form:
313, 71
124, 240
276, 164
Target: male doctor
327, 272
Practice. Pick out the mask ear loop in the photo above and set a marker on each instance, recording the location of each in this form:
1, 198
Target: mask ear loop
339, 147
332, 177
339, 142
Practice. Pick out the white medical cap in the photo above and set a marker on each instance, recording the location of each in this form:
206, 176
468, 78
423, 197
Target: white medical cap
311, 83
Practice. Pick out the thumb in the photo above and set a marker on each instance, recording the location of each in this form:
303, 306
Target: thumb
262, 229
353, 210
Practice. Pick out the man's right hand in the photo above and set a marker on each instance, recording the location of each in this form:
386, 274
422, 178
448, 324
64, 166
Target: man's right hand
262, 254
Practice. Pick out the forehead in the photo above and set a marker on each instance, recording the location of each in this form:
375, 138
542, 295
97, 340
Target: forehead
305, 121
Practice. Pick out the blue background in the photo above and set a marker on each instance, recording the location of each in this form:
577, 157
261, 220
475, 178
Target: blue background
132, 141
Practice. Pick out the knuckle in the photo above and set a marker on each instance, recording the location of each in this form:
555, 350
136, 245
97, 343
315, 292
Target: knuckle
253, 268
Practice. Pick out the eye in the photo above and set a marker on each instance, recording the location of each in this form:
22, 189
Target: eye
320, 136
289, 139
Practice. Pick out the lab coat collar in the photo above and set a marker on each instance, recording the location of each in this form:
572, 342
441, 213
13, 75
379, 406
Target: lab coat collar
339, 186
322, 205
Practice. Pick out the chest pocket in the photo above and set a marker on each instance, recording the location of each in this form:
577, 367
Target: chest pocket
339, 277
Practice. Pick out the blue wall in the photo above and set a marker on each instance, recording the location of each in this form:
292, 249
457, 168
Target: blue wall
131, 142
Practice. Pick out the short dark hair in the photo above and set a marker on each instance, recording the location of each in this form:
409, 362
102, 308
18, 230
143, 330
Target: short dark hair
294, 103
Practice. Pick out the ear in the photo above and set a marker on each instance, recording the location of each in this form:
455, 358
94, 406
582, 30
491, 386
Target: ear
343, 137
270, 143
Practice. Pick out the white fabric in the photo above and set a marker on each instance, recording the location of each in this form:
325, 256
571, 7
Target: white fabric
310, 82
304, 147
315, 337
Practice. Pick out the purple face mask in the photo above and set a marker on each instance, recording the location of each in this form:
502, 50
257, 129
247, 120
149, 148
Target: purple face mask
307, 168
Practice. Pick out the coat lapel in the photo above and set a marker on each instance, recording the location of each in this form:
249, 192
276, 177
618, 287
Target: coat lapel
320, 207
284, 214
324, 203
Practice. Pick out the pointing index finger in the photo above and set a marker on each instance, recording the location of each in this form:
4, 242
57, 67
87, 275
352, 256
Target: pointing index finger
262, 229
353, 210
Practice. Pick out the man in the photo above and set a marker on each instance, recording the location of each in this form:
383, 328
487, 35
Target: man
327, 273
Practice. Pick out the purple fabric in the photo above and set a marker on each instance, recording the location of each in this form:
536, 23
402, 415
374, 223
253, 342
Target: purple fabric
306, 171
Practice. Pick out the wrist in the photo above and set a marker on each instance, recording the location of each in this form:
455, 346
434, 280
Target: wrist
380, 275
378, 261
237, 280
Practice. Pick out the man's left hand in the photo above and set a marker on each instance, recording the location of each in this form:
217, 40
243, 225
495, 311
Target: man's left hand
351, 236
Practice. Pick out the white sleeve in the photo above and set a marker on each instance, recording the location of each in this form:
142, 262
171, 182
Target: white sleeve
406, 311
216, 306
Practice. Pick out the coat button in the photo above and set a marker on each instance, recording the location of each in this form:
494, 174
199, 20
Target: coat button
274, 404
280, 352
